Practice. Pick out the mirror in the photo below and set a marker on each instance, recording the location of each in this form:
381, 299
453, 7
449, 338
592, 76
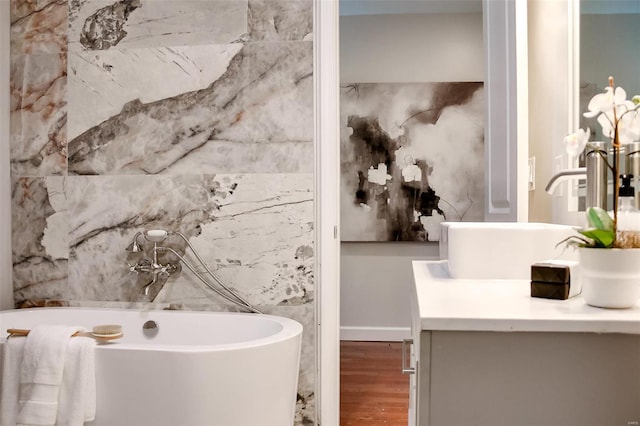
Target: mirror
609, 40
608, 44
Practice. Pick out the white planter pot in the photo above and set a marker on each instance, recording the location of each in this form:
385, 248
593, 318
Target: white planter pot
610, 277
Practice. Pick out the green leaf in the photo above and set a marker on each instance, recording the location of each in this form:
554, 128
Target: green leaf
598, 218
577, 241
602, 237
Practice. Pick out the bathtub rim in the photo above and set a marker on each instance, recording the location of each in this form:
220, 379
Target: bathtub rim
290, 329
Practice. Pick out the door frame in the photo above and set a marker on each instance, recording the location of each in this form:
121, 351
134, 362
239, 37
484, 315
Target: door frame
327, 191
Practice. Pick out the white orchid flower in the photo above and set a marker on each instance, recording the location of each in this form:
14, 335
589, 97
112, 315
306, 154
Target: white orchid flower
606, 123
628, 123
575, 142
629, 126
620, 121
605, 102
614, 111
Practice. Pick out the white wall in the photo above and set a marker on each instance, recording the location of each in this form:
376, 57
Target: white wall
548, 124
375, 278
552, 67
6, 288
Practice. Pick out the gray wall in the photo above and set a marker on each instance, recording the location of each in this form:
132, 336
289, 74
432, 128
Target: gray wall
376, 277
598, 58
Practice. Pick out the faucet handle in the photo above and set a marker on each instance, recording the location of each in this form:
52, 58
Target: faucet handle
170, 269
143, 265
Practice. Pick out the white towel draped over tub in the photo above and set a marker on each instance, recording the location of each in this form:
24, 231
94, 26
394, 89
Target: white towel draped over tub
48, 378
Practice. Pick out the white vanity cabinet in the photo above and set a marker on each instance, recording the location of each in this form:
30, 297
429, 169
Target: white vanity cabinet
486, 353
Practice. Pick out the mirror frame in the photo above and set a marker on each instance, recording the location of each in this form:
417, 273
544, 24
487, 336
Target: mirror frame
506, 121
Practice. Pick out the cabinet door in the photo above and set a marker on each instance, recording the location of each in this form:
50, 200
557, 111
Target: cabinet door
531, 378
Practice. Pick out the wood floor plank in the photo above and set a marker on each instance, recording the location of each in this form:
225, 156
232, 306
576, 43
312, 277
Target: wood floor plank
373, 390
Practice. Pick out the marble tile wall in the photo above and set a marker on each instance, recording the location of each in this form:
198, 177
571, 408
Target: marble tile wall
189, 115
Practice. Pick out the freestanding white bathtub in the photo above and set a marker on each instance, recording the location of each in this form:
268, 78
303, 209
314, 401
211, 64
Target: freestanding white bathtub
199, 369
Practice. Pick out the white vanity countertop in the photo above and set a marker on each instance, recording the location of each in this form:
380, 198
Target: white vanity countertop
446, 304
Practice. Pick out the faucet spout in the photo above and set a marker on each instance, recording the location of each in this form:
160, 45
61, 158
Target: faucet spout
564, 175
145, 290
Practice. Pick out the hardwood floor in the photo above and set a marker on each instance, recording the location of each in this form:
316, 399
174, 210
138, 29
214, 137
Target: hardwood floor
373, 390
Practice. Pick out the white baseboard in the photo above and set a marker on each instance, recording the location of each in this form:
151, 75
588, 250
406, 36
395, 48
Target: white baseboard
375, 334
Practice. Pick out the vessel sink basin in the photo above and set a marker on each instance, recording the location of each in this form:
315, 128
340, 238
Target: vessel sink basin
501, 250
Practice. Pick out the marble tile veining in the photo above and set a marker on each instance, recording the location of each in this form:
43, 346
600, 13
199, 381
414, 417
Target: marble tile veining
255, 230
104, 24
260, 240
187, 115
275, 103
264, 95
106, 212
38, 114
105, 81
224, 156
127, 203
104, 28
38, 26
280, 20
39, 237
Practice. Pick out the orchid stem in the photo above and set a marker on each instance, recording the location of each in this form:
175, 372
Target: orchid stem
616, 162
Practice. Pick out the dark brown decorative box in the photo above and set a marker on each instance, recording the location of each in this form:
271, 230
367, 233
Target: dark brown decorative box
550, 290
552, 280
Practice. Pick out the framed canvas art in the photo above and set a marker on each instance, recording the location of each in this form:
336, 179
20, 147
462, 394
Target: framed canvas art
412, 156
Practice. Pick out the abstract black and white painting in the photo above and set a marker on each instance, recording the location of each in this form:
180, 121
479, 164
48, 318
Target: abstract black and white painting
412, 156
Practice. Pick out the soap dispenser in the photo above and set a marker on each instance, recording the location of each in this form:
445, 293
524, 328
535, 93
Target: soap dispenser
628, 215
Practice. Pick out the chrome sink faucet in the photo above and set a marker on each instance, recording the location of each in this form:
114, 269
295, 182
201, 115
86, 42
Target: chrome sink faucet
595, 172
565, 175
